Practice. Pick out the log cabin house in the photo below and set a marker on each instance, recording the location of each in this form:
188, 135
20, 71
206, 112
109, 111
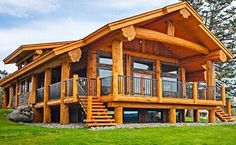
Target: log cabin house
147, 68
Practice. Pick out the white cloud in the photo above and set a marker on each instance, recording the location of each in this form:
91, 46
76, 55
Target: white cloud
42, 31
23, 8
129, 4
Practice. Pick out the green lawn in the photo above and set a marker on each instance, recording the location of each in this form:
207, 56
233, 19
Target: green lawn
12, 133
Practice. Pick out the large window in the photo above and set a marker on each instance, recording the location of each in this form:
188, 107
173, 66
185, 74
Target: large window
104, 65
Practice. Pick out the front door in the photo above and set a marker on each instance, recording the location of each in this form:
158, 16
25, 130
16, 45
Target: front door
142, 84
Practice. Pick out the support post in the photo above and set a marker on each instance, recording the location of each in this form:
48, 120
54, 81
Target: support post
183, 80
172, 115
228, 106
98, 87
223, 97
211, 116
196, 116
89, 108
75, 88
32, 98
11, 92
17, 94
118, 115
210, 76
143, 115
64, 109
195, 95
159, 81
47, 82
4, 97
117, 67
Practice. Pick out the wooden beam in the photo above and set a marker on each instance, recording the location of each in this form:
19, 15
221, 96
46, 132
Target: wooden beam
117, 66
159, 80
17, 94
118, 112
183, 80
91, 64
98, 86
46, 109
32, 99
164, 38
64, 109
172, 115
223, 95
89, 108
39, 51
215, 56
210, 77
228, 107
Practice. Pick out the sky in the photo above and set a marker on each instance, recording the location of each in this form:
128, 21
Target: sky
35, 21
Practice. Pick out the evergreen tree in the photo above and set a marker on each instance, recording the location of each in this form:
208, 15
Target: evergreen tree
3, 73
220, 17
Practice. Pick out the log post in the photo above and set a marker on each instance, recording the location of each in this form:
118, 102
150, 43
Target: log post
11, 92
64, 109
196, 116
195, 94
75, 88
32, 98
98, 87
223, 97
172, 115
117, 67
17, 94
118, 112
158, 80
183, 82
210, 76
4, 99
211, 116
228, 106
47, 82
89, 108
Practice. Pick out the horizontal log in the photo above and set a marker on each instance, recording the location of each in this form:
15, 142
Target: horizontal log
164, 38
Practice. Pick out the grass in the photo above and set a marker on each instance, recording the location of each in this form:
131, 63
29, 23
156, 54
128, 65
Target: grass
13, 133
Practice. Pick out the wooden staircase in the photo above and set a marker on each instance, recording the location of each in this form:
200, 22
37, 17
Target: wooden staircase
98, 114
223, 116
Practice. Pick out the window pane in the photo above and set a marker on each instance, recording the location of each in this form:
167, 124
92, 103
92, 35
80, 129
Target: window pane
131, 116
105, 60
143, 65
104, 73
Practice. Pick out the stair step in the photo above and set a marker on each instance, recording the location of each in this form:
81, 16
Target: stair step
100, 113
100, 120
101, 116
100, 124
98, 106
99, 110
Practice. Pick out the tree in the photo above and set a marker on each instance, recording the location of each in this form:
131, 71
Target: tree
220, 17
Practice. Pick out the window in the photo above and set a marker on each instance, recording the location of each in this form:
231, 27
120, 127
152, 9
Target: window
105, 60
131, 116
142, 64
104, 72
154, 116
105, 65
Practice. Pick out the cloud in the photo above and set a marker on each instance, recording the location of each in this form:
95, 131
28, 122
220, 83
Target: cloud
23, 8
42, 31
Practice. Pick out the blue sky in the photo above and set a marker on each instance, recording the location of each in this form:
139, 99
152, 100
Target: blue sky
33, 21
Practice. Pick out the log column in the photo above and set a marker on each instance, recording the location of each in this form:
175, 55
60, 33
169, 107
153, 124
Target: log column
64, 109
159, 81
172, 115
17, 94
32, 99
228, 106
210, 77
117, 66
47, 82
118, 112
195, 93
196, 116
211, 116
4, 99
223, 97
11, 92
183, 80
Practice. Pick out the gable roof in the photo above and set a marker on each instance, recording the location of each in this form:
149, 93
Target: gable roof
107, 29
24, 50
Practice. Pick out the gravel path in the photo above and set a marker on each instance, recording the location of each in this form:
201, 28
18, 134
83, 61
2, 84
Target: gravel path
130, 125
